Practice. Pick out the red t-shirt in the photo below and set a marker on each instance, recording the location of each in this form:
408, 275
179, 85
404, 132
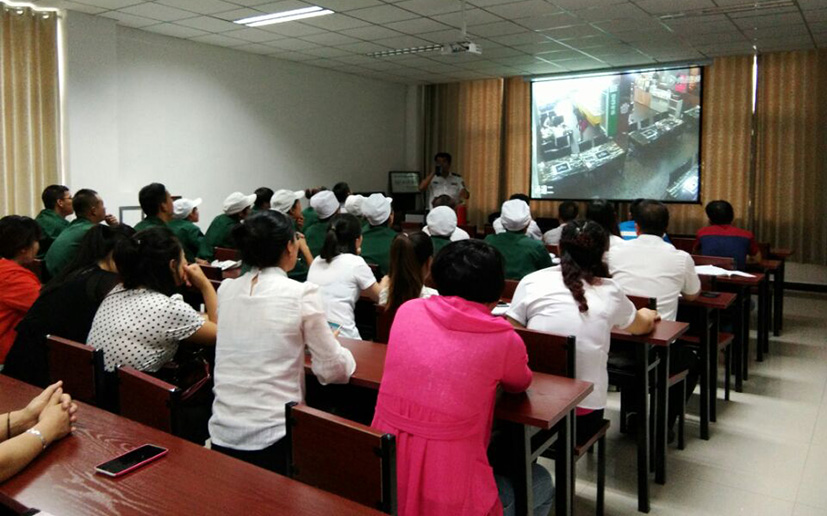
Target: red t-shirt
727, 241
19, 288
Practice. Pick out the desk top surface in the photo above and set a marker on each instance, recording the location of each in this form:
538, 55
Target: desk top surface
546, 402
741, 280
189, 480
664, 334
721, 302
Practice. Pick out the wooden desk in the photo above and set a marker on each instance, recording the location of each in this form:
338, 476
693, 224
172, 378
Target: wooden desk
743, 286
778, 288
189, 480
535, 419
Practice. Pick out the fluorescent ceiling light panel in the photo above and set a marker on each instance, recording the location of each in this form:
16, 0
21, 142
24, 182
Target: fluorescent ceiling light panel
284, 16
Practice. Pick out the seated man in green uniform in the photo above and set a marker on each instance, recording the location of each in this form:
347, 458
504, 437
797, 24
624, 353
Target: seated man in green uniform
236, 208
326, 206
90, 210
522, 254
442, 225
288, 202
57, 205
156, 204
184, 217
353, 205
263, 197
377, 239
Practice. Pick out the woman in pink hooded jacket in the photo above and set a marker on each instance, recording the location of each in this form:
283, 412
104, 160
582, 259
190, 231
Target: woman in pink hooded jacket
446, 357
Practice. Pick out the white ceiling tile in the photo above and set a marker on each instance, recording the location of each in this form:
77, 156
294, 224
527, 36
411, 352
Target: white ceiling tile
252, 35
370, 33
177, 31
237, 14
294, 56
158, 12
256, 48
576, 5
442, 36
250, 3
549, 22
336, 22
326, 52
768, 21
500, 28
220, 40
811, 4
209, 24
613, 12
346, 5
129, 20
199, 6
673, 6
363, 47
402, 42
277, 7
490, 3
582, 64
702, 26
500, 52
592, 41
573, 31
75, 6
356, 59
293, 44
330, 39
523, 38
473, 17
524, 9
293, 29
382, 14
417, 26
816, 15
516, 60
539, 48
765, 12
110, 4
430, 7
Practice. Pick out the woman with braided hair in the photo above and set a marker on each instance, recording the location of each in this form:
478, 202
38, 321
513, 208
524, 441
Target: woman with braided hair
579, 298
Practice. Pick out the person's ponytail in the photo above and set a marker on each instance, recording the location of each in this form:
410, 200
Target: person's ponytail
405, 272
582, 245
144, 260
342, 232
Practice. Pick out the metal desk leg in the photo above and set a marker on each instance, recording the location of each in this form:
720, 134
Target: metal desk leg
521, 477
642, 403
713, 367
662, 411
563, 467
778, 299
739, 355
704, 376
765, 324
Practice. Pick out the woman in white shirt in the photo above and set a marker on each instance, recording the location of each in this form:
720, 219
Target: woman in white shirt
411, 258
603, 212
342, 275
578, 298
267, 321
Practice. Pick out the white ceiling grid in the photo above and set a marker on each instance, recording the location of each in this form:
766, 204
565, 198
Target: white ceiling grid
518, 37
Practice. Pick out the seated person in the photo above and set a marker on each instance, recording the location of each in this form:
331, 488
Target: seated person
442, 227
604, 214
236, 208
263, 197
309, 215
67, 304
353, 205
377, 238
723, 239
142, 321
342, 275
627, 228
533, 230
19, 287
57, 205
522, 255
578, 298
441, 419
566, 212
267, 321
288, 203
49, 417
456, 234
157, 206
185, 216
411, 258
325, 206
649, 267
342, 191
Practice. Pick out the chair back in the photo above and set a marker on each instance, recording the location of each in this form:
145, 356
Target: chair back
683, 243
212, 273
554, 249
342, 457
644, 302
508, 291
224, 253
78, 365
411, 227
488, 229
146, 399
470, 229
377, 273
384, 320
764, 249
549, 353
718, 261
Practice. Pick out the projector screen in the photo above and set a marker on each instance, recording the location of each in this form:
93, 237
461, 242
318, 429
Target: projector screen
618, 136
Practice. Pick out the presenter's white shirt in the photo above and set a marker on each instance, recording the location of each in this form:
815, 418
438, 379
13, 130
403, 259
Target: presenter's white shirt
533, 230
341, 282
450, 186
263, 330
543, 302
647, 266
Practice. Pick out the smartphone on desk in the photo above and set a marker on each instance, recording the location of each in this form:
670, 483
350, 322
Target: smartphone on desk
710, 294
131, 460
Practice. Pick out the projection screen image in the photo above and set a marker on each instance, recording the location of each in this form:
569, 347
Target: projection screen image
618, 136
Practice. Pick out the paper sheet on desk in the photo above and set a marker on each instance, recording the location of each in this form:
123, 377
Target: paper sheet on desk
554, 259
711, 270
226, 264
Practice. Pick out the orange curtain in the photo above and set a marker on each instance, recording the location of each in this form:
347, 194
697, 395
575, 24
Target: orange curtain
29, 114
791, 204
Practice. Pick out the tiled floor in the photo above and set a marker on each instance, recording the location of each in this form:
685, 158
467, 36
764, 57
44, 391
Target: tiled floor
768, 451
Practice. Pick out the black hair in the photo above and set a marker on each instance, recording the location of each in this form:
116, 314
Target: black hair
263, 238
342, 232
652, 218
443, 155
95, 246
582, 245
521, 196
409, 254
567, 211
310, 192
720, 212
51, 194
143, 260
151, 198
603, 212
633, 208
263, 196
470, 269
84, 200
444, 200
16, 234
341, 190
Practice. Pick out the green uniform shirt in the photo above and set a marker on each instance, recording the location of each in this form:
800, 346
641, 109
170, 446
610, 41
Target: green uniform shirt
376, 246
218, 235
522, 254
52, 225
299, 272
310, 218
189, 235
65, 246
150, 222
315, 237
439, 242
